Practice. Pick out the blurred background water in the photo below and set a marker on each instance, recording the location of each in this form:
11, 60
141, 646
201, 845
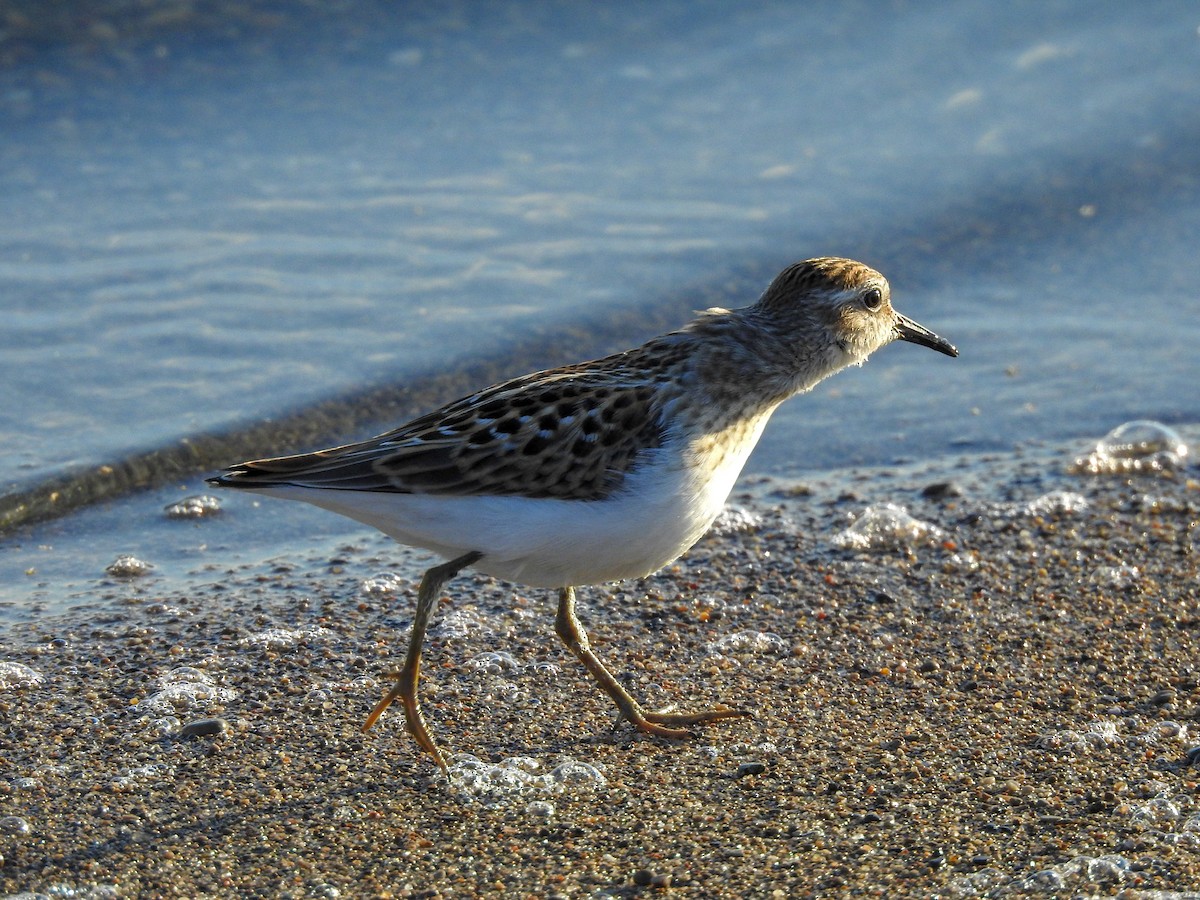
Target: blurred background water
220, 213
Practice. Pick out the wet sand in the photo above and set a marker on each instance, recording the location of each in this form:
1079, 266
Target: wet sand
1000, 706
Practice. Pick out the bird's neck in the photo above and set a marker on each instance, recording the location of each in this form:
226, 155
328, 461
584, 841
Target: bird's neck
746, 364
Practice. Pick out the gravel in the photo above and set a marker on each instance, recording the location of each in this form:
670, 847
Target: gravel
1005, 703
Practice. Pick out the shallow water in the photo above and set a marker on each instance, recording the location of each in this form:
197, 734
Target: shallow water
218, 222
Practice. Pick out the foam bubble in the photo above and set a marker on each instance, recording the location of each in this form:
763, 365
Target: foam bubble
736, 520
131, 779
182, 697
61, 891
1116, 576
283, 638
457, 624
516, 777
15, 826
1107, 869
709, 607
18, 675
183, 689
494, 663
1056, 503
1136, 447
1157, 811
387, 583
319, 698
1082, 870
978, 884
128, 566
1098, 735
574, 773
198, 507
1047, 881
1170, 731
961, 562
740, 642
887, 526
183, 675
162, 727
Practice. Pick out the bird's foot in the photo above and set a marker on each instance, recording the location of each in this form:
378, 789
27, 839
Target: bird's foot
405, 689
676, 724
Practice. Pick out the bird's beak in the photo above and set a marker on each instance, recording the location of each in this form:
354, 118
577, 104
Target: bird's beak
908, 330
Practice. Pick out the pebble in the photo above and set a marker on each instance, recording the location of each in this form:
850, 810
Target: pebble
203, 728
942, 490
648, 878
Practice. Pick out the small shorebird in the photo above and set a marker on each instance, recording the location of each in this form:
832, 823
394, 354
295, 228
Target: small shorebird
595, 472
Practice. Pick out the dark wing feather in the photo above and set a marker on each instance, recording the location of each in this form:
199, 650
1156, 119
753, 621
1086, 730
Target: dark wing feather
570, 433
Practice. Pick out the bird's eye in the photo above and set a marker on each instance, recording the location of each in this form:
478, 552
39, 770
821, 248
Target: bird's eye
873, 299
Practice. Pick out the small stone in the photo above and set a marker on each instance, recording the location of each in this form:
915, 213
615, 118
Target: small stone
647, 878
751, 768
941, 490
203, 728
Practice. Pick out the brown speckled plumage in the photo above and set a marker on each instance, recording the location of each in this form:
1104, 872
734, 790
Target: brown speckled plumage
570, 433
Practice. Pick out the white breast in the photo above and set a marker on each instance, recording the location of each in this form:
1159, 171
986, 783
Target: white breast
663, 508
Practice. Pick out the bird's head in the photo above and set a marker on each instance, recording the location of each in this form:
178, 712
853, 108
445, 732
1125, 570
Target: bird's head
843, 307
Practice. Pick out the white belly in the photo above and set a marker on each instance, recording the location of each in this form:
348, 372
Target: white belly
663, 508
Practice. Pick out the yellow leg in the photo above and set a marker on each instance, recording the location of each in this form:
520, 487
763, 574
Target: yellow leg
407, 678
672, 725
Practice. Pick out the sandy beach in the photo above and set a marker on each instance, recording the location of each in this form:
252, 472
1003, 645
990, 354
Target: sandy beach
996, 698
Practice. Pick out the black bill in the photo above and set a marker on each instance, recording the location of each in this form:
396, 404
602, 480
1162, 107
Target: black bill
908, 330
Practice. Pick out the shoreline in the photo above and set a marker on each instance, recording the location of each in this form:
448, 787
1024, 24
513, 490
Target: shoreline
1002, 707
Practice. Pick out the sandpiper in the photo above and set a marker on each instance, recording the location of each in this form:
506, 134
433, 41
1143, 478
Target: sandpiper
599, 471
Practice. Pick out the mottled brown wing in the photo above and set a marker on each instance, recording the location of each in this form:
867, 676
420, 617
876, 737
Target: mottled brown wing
570, 433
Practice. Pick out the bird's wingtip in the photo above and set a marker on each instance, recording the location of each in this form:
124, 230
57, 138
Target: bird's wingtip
229, 478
